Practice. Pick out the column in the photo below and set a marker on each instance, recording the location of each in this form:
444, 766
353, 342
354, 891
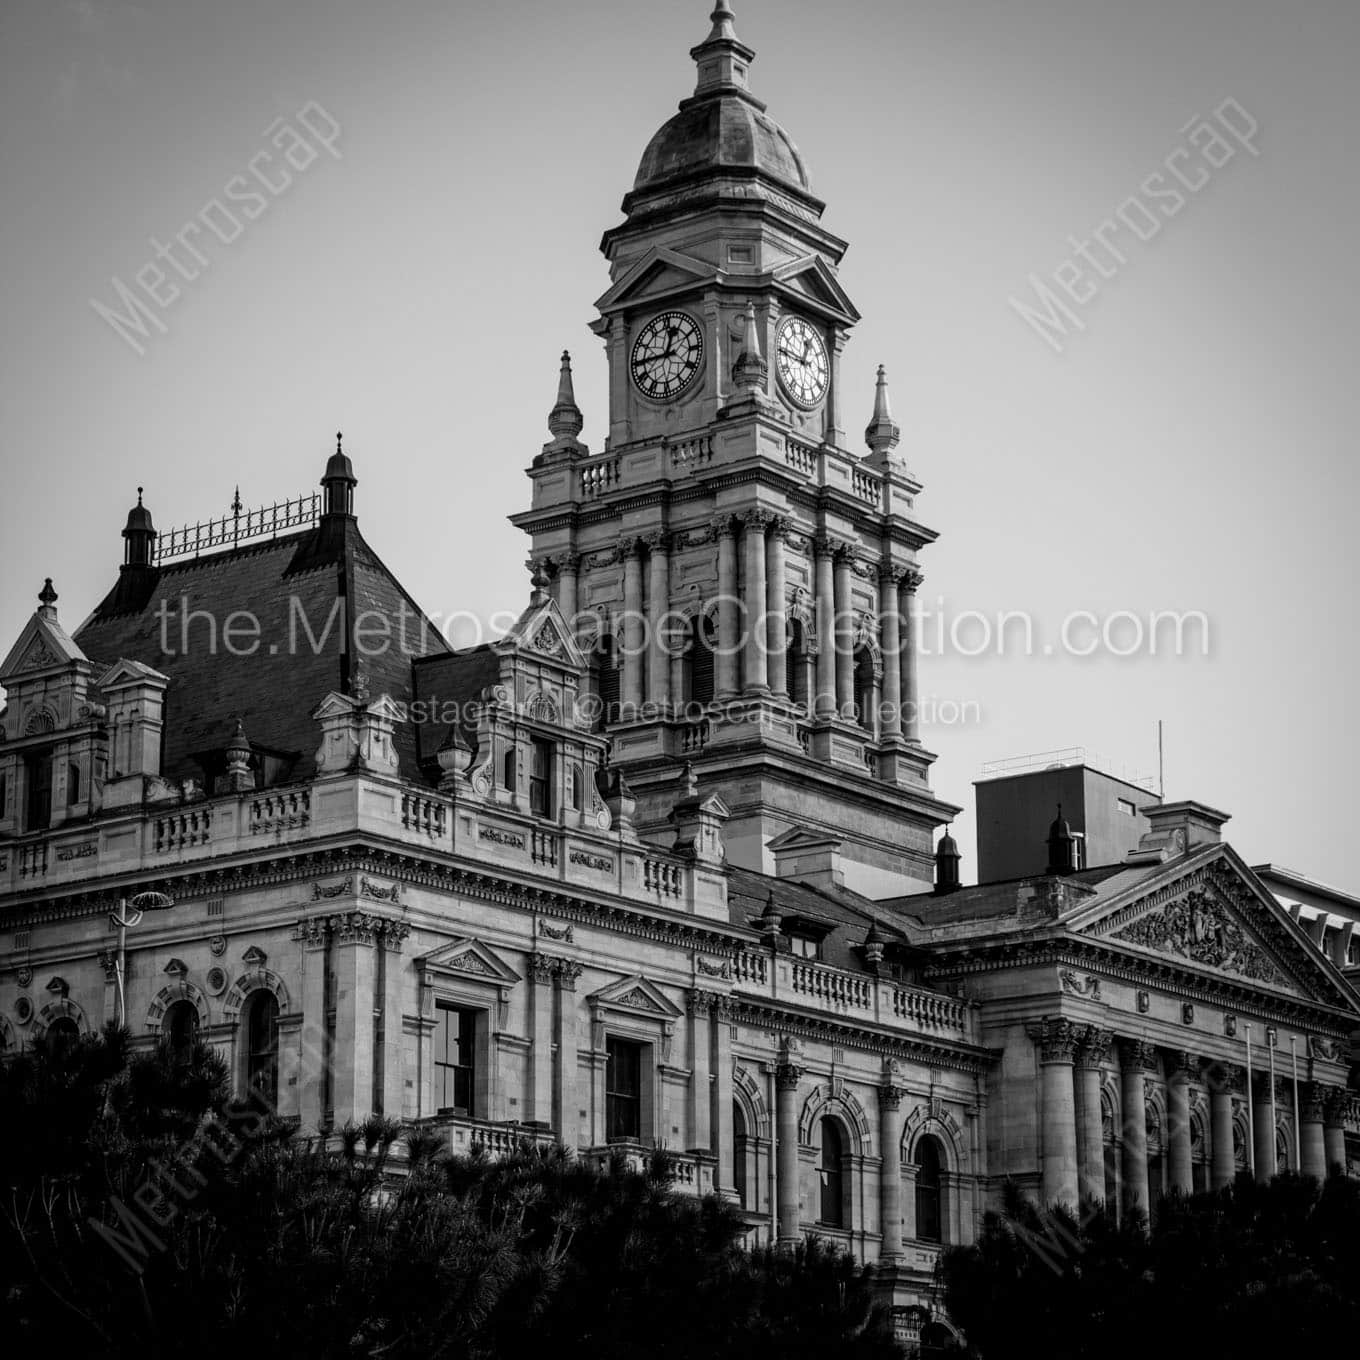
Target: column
566, 1098
1136, 1057
700, 1087
658, 607
725, 660
1056, 1041
911, 696
824, 705
845, 637
393, 1027
568, 576
889, 622
890, 1171
776, 611
1178, 1069
314, 1048
352, 962
786, 1078
541, 1056
1222, 1082
1312, 1136
631, 641
720, 1027
1263, 1117
1334, 1102
753, 544
1093, 1052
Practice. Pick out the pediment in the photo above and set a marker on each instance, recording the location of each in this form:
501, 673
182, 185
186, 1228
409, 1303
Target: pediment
637, 995
43, 645
1208, 911
800, 838
658, 274
469, 957
811, 279
124, 672
541, 631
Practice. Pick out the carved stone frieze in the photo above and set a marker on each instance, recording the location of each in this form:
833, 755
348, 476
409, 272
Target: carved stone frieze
1199, 929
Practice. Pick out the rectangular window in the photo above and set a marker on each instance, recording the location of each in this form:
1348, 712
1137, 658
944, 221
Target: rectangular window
455, 1062
38, 805
805, 947
1124, 806
623, 1089
540, 777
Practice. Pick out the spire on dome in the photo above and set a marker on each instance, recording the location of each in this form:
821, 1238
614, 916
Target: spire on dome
339, 482
722, 58
883, 434
565, 420
139, 536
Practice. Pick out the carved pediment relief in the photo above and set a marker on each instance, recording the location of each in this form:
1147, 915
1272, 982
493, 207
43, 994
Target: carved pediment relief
636, 994
470, 958
1202, 930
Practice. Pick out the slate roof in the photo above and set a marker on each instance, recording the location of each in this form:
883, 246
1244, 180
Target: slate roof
444, 687
307, 590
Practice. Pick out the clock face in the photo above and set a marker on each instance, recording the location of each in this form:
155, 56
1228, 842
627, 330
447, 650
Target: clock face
800, 362
667, 355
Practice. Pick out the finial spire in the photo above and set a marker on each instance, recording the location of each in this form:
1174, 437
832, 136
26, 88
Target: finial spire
750, 369
722, 57
565, 420
883, 434
47, 600
540, 581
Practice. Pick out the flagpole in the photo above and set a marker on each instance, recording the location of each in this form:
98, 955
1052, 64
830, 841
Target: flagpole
1251, 1112
1271, 1038
1298, 1135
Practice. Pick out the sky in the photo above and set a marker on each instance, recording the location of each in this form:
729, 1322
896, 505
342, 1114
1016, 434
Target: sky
1186, 447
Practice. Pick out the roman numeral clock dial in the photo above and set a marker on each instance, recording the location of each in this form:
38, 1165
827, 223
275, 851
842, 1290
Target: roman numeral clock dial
667, 355
800, 361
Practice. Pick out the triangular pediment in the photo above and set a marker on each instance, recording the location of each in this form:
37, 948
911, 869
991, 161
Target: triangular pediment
125, 672
1208, 911
43, 645
800, 838
470, 958
658, 274
637, 995
541, 631
812, 280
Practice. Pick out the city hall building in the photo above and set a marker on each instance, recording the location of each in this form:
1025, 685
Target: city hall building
662, 866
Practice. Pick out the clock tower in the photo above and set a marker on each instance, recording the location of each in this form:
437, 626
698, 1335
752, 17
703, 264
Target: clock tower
743, 579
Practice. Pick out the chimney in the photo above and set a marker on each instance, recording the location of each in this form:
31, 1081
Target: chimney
1177, 828
808, 857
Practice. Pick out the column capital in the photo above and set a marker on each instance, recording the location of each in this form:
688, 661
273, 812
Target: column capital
892, 573
1180, 1062
724, 526
1335, 1102
787, 1075
701, 1002
1138, 1054
629, 547
912, 580
567, 970
657, 541
1311, 1104
567, 561
542, 967
890, 1097
108, 961
757, 520
1055, 1037
829, 545
1093, 1046
1220, 1076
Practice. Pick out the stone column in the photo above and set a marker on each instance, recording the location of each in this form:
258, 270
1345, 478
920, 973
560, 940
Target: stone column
658, 606
393, 1042
1312, 1136
776, 611
786, 1078
352, 964
1056, 1041
911, 696
1136, 1058
566, 1099
824, 702
725, 662
1223, 1080
632, 628
757, 678
700, 1086
1263, 1131
541, 972
720, 1026
889, 620
890, 1171
845, 636
314, 1061
1181, 1176
1334, 1103
568, 576
1093, 1052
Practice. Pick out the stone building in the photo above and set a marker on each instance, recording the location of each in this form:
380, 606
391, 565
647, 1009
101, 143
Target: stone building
658, 867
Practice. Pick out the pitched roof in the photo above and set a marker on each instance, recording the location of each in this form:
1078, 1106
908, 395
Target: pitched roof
266, 626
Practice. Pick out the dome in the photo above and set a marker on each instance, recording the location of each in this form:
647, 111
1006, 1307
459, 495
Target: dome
338, 467
139, 518
726, 132
947, 846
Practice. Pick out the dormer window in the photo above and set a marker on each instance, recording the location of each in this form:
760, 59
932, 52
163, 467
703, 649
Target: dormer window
540, 777
805, 946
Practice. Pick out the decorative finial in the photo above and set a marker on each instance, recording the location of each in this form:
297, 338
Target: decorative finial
691, 781
750, 370
237, 505
722, 18
47, 600
139, 495
540, 580
770, 918
565, 420
882, 434
239, 777
722, 57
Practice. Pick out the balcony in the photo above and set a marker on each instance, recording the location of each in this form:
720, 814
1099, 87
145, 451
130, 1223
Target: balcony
466, 1137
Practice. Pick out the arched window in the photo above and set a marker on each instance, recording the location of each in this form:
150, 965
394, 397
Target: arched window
929, 1216
62, 1035
605, 666
799, 663
832, 1172
739, 1148
575, 788
866, 690
699, 660
179, 1032
261, 1029
508, 770
1281, 1151
72, 784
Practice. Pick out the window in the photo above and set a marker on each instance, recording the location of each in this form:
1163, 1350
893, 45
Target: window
62, 1035
799, 662
455, 1062
700, 660
1123, 805
605, 665
830, 1169
540, 777
262, 1043
179, 1032
739, 1150
508, 770
805, 947
623, 1089
577, 788
865, 689
38, 780
929, 1220
72, 785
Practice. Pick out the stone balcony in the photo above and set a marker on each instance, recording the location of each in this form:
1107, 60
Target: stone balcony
156, 840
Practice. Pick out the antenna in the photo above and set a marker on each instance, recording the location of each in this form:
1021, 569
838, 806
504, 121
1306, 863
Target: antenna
1161, 767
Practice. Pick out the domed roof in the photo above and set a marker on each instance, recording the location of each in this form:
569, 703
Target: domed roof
139, 518
726, 132
338, 466
947, 846
1060, 830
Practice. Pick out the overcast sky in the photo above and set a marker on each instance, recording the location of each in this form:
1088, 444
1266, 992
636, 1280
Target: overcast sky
1188, 449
